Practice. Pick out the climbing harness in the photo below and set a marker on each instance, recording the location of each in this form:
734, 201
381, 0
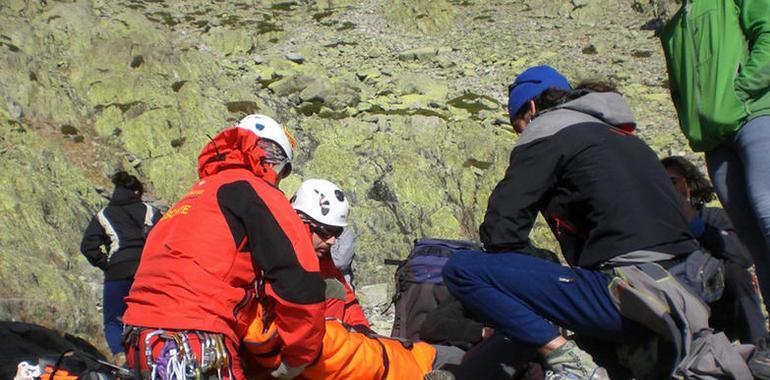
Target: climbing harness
177, 358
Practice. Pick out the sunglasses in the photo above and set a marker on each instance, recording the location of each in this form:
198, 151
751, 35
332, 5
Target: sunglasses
285, 171
325, 232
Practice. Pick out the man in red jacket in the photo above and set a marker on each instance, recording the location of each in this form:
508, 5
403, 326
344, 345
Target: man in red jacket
324, 208
231, 241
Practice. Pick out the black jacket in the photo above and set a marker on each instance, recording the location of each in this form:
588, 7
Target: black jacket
601, 189
114, 238
719, 237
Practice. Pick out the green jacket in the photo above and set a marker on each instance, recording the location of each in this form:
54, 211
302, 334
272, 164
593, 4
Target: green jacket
718, 58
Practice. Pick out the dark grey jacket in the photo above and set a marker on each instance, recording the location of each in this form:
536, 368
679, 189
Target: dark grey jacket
601, 189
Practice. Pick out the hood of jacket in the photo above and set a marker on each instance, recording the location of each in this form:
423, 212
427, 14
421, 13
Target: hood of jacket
234, 148
123, 196
608, 107
603, 107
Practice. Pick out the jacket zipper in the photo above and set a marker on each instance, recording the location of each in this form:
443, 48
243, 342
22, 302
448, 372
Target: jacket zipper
245, 300
691, 35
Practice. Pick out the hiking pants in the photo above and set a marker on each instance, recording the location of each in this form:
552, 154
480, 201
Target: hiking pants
113, 308
740, 171
519, 295
738, 313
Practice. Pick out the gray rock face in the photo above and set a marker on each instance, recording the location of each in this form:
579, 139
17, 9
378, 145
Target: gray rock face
296, 58
422, 53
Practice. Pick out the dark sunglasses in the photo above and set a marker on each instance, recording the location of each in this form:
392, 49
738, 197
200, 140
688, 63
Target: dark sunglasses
325, 232
285, 171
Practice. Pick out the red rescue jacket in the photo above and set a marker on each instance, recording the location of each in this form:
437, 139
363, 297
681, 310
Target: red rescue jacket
232, 228
348, 311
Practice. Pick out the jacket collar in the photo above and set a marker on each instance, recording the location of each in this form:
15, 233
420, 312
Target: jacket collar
123, 196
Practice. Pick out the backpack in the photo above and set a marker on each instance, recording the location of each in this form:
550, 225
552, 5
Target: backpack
56, 356
681, 345
419, 285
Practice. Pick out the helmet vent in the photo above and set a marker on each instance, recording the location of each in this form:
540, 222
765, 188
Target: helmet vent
323, 203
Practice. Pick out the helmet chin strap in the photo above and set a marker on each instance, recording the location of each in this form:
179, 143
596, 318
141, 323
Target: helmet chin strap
280, 167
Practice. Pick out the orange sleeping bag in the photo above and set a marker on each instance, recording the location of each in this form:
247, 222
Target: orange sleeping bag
345, 355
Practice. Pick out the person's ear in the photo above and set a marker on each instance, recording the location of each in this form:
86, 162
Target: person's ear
532, 107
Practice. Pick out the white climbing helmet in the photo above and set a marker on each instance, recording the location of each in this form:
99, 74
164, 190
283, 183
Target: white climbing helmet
269, 129
323, 201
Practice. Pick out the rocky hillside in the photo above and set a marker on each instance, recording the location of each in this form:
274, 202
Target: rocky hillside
400, 102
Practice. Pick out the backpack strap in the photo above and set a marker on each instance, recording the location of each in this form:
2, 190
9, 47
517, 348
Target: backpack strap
393, 262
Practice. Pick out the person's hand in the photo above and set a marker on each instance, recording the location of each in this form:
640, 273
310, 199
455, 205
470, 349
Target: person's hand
285, 372
486, 332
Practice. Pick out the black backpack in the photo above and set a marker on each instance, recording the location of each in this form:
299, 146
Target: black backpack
419, 285
40, 345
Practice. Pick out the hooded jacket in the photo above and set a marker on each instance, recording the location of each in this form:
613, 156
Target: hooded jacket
600, 188
718, 58
120, 229
233, 228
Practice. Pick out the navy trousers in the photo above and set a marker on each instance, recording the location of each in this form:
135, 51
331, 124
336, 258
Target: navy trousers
114, 307
519, 295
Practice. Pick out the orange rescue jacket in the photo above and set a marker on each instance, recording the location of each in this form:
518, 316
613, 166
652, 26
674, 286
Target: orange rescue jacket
346, 354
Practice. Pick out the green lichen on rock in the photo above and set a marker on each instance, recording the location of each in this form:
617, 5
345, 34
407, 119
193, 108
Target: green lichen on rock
424, 17
406, 178
45, 204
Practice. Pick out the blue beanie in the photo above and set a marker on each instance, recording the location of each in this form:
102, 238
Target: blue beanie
531, 83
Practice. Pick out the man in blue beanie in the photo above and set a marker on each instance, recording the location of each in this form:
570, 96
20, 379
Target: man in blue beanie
528, 86
608, 203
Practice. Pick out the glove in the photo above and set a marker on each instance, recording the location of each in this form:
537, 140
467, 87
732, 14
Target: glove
284, 372
335, 289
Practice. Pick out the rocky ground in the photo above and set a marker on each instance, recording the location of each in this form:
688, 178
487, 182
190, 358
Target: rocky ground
400, 102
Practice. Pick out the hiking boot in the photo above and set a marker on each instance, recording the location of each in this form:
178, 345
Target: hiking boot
598, 374
570, 362
439, 374
759, 363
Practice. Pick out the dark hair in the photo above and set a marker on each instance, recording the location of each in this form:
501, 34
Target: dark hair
553, 97
701, 191
597, 86
123, 179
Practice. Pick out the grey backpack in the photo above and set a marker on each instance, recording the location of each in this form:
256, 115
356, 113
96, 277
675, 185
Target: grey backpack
682, 346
